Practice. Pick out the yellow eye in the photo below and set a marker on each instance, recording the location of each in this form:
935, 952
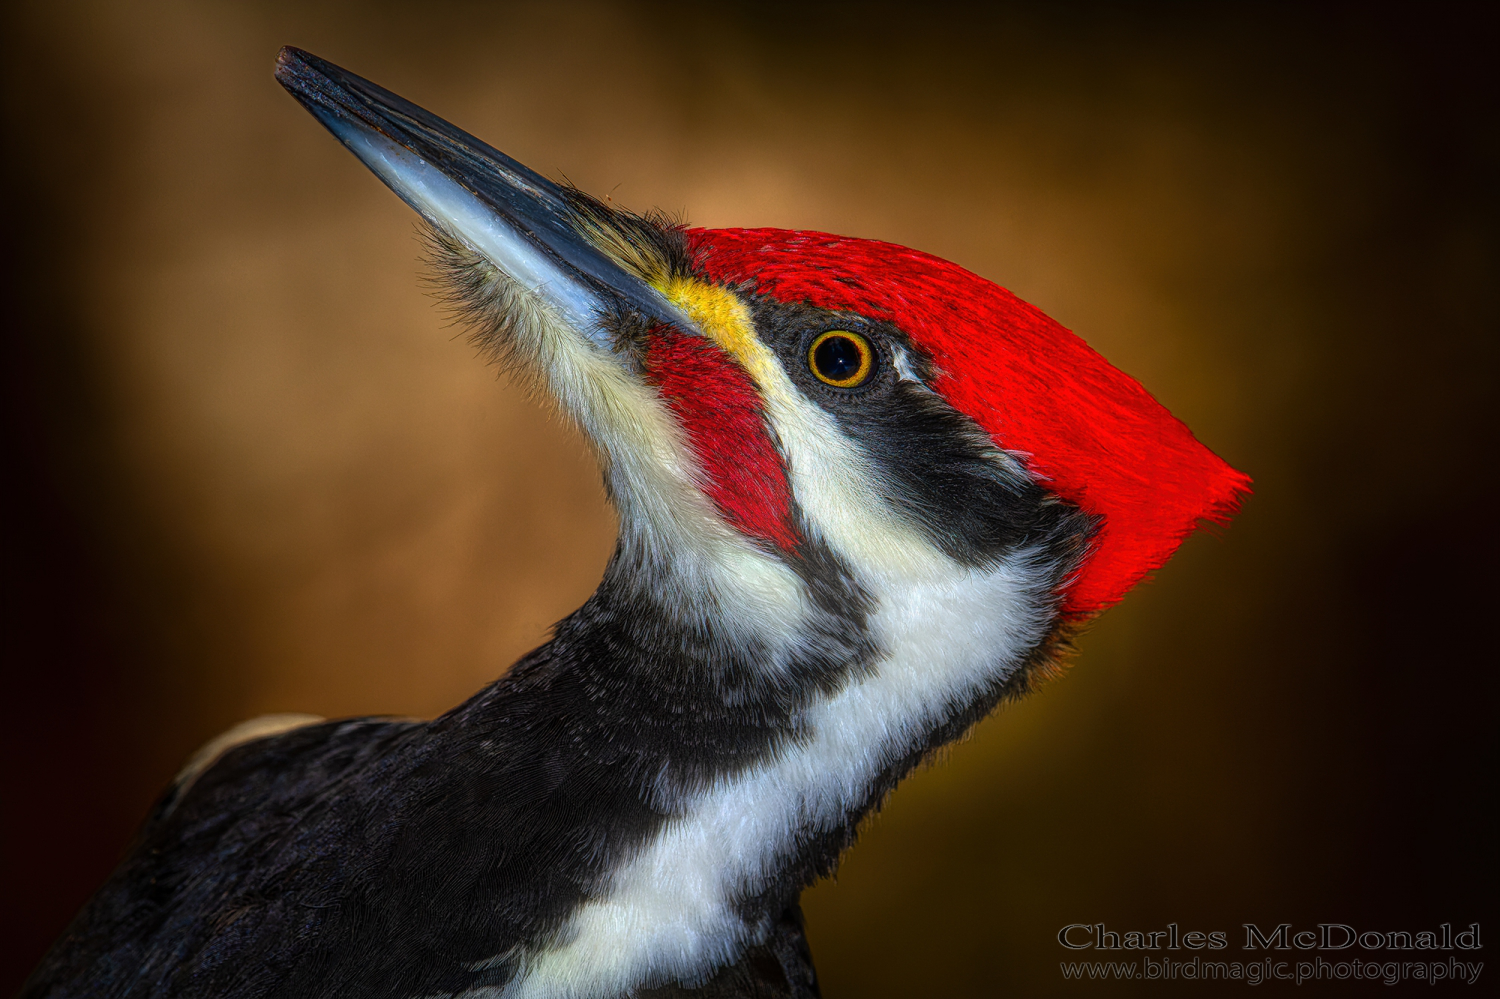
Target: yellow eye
841, 359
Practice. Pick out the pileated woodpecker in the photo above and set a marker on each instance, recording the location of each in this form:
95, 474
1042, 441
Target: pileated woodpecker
864, 495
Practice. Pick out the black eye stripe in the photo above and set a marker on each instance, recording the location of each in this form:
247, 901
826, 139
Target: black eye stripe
841, 358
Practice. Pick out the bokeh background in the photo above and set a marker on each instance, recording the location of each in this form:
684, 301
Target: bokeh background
249, 467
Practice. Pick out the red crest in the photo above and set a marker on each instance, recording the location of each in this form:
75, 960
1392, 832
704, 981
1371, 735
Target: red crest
1086, 430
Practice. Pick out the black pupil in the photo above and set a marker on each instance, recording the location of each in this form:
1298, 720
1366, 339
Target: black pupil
837, 358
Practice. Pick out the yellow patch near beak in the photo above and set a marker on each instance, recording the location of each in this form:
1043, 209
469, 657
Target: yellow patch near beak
721, 315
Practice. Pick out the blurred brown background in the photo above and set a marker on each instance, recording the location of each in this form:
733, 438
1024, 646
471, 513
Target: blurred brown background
250, 468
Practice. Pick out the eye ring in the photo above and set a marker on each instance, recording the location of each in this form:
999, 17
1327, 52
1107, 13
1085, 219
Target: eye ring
841, 358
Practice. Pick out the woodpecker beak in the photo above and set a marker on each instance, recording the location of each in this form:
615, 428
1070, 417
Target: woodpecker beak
515, 218
568, 295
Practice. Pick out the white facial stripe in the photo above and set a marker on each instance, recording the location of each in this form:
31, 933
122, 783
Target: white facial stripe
449, 206
836, 488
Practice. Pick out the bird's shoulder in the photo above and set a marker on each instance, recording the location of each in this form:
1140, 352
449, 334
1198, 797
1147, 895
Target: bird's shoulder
244, 828
211, 752
273, 762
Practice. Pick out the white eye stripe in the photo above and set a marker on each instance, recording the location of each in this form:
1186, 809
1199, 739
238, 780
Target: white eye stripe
902, 364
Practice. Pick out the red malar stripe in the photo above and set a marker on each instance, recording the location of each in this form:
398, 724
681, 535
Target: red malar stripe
718, 406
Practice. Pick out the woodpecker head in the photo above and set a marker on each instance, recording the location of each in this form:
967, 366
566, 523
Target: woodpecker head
795, 425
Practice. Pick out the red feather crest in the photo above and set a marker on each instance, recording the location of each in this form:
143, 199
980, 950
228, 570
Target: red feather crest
1086, 430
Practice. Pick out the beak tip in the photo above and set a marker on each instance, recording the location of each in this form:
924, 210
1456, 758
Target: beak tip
381, 128
311, 82
289, 61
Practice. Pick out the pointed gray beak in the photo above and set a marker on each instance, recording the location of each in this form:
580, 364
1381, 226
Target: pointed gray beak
510, 214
